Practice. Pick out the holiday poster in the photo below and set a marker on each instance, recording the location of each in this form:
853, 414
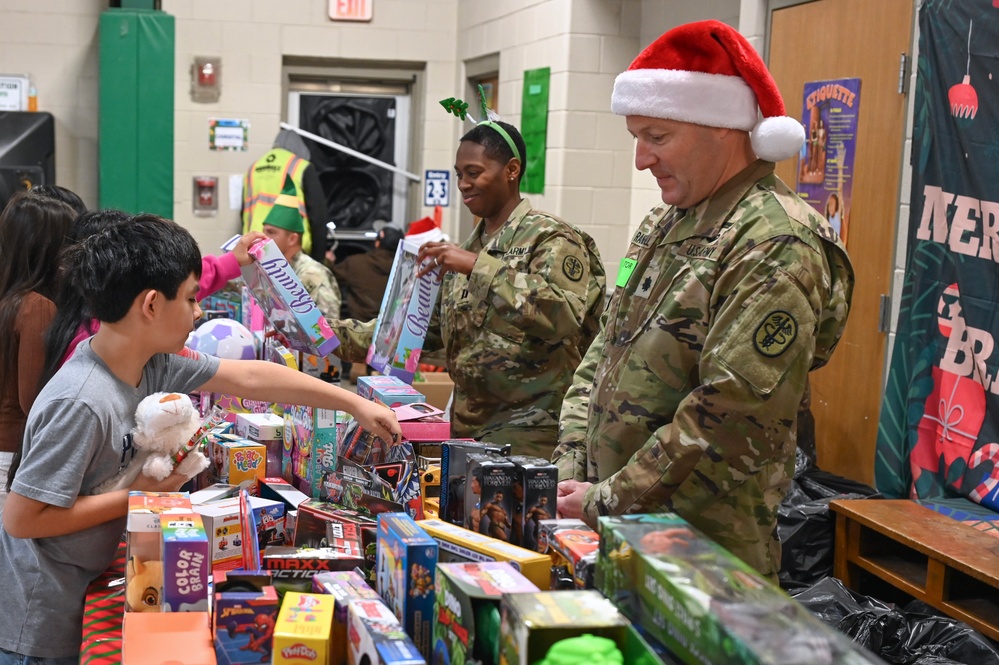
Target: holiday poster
938, 434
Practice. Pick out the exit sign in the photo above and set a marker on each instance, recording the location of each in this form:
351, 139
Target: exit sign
351, 10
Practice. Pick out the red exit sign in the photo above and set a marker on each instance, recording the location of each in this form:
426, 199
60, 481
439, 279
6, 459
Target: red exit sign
351, 10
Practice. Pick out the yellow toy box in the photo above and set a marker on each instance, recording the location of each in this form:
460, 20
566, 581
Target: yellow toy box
237, 461
460, 545
302, 632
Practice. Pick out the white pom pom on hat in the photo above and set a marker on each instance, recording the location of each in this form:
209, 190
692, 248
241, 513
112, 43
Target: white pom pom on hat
706, 73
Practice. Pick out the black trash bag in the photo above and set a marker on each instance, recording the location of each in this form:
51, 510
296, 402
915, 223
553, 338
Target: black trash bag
820, 484
807, 533
936, 636
898, 636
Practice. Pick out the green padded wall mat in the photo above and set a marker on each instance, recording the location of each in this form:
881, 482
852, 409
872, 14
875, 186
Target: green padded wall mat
135, 143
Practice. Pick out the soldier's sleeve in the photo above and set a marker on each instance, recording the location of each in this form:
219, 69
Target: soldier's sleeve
355, 338
752, 369
325, 291
570, 454
547, 302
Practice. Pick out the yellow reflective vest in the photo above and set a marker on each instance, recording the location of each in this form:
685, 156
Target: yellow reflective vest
262, 184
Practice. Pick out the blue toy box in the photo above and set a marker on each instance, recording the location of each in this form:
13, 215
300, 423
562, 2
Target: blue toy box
406, 569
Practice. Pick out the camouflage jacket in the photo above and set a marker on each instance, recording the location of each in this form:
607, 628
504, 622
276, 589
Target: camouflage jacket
514, 330
319, 281
687, 400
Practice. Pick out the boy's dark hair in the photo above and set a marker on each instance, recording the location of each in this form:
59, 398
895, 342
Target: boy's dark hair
115, 265
496, 146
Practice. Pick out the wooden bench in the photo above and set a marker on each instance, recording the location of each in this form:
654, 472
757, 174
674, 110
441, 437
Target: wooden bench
929, 556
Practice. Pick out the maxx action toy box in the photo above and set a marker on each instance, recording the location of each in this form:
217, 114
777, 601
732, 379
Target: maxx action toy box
468, 610
704, 604
407, 563
286, 304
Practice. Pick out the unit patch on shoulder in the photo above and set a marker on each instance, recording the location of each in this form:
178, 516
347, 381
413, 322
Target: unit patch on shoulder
573, 268
775, 334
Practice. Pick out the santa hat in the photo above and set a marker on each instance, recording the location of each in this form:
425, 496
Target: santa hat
706, 73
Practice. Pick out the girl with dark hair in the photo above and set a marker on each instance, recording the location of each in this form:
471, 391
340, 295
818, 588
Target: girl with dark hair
520, 302
33, 229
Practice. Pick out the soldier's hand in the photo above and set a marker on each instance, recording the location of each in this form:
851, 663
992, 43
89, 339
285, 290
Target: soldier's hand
449, 257
570, 498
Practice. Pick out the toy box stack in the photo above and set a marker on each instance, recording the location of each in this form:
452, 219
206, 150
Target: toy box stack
407, 563
345, 587
404, 316
703, 603
468, 610
223, 525
267, 429
454, 469
286, 304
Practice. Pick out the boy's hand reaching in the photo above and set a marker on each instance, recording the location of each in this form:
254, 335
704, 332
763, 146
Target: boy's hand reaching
171, 483
241, 250
379, 420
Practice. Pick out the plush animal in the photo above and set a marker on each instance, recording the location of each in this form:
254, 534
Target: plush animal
144, 585
164, 436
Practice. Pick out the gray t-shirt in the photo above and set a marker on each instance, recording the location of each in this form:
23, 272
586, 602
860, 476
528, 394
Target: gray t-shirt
77, 436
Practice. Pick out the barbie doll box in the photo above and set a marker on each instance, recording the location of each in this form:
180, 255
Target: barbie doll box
405, 313
286, 304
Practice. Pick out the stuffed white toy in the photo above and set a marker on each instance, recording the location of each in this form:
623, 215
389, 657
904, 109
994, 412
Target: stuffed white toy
165, 424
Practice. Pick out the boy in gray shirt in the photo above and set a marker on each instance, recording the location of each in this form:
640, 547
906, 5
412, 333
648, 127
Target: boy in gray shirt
141, 278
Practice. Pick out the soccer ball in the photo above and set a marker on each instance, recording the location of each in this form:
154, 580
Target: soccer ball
224, 338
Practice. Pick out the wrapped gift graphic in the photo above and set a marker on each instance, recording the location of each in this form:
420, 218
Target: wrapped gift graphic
949, 427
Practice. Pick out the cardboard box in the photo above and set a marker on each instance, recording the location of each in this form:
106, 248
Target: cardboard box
535, 496
454, 466
243, 626
489, 495
468, 598
407, 562
533, 622
367, 384
345, 586
286, 304
422, 422
142, 532
166, 638
404, 316
703, 603
211, 493
377, 638
279, 489
302, 633
260, 427
186, 563
224, 528
459, 545
237, 461
575, 546
436, 387
294, 567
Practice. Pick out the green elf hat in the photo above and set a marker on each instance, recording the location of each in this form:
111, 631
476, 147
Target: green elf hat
285, 214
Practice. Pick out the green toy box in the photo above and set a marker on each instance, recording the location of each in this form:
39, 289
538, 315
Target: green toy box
704, 604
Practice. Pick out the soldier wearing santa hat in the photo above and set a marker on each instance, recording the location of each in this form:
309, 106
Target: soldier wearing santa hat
731, 292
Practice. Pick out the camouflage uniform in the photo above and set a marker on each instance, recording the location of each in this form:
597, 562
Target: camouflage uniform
319, 281
687, 399
513, 331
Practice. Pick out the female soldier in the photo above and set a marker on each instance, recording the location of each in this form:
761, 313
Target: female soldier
520, 301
